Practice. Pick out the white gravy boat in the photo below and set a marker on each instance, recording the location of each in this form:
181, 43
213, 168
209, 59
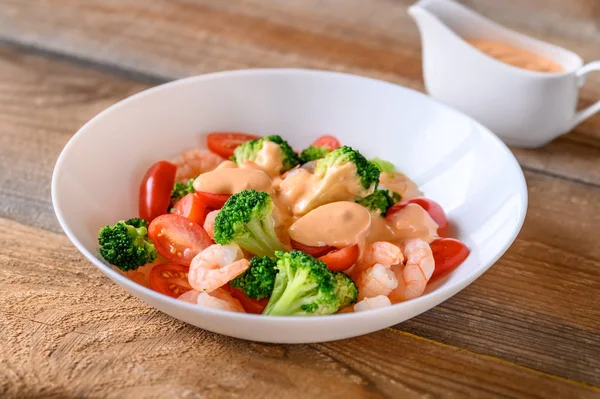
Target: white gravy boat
524, 108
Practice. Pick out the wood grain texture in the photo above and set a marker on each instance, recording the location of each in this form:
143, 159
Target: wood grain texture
72, 333
172, 39
42, 104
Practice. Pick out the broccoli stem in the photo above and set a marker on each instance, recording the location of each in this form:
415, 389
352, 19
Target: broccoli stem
264, 241
292, 297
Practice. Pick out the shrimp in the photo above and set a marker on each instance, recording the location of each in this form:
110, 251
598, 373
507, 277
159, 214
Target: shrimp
401, 184
414, 275
191, 163
209, 223
215, 266
375, 281
380, 301
382, 252
217, 299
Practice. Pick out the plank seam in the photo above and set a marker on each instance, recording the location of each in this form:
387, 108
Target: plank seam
496, 359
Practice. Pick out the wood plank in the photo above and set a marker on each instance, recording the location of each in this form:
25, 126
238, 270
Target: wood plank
516, 311
41, 107
375, 38
73, 333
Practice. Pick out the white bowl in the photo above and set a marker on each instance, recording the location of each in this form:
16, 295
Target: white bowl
455, 160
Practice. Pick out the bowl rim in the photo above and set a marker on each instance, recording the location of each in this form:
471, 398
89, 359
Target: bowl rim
437, 296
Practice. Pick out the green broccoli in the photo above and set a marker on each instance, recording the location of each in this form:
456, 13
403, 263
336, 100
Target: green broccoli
126, 244
303, 286
246, 219
345, 289
367, 173
380, 201
383, 166
258, 280
181, 189
248, 151
313, 153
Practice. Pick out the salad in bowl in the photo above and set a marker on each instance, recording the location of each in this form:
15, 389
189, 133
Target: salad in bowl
253, 225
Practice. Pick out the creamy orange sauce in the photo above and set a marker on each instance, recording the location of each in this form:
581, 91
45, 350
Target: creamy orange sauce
380, 229
226, 165
338, 224
229, 180
399, 183
269, 158
303, 191
412, 221
516, 56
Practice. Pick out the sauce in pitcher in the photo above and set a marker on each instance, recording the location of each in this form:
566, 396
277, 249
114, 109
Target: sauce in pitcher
515, 56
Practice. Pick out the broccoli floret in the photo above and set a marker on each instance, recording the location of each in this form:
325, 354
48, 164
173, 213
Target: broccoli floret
258, 280
380, 201
126, 244
345, 289
248, 151
246, 219
366, 171
383, 166
303, 286
181, 189
313, 153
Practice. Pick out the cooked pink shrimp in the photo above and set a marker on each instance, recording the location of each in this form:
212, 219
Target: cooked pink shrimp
401, 184
190, 296
382, 252
377, 280
217, 299
380, 301
215, 266
209, 223
414, 275
191, 163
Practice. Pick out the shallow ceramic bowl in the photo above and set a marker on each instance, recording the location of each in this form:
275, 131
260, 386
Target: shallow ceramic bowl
456, 161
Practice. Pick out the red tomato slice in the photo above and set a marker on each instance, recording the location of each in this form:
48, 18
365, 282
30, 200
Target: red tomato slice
433, 208
155, 190
250, 305
309, 249
177, 239
191, 207
224, 143
170, 279
213, 201
341, 259
327, 141
448, 253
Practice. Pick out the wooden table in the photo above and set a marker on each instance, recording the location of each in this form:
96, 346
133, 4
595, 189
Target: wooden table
530, 327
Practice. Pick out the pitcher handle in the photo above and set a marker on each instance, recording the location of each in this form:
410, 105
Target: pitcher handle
592, 109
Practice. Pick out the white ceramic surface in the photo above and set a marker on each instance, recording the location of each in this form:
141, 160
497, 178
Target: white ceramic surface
455, 160
524, 108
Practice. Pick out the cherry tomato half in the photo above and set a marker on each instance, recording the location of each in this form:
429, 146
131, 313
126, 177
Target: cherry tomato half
170, 279
191, 207
431, 207
250, 305
327, 141
341, 259
155, 190
213, 201
312, 251
224, 143
177, 239
448, 253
